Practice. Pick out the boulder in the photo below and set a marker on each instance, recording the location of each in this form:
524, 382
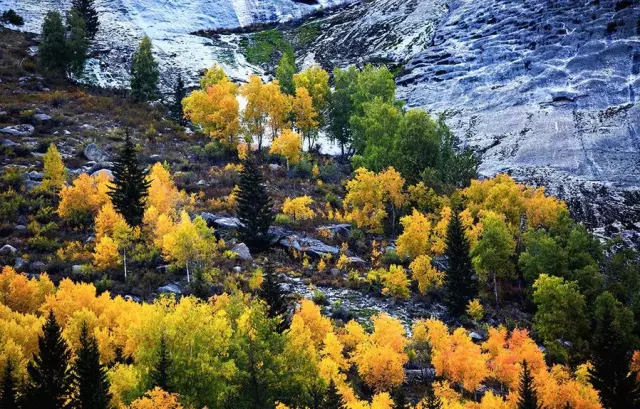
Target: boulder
237, 269
34, 175
9, 143
41, 117
227, 223
19, 130
20, 264
308, 245
242, 251
95, 153
38, 266
171, 288
88, 127
274, 167
8, 249
76, 268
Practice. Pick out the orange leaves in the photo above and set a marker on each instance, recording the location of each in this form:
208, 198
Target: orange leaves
381, 357
22, 294
304, 113
455, 356
318, 325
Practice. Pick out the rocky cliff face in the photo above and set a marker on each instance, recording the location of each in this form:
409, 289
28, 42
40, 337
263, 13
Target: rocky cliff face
546, 90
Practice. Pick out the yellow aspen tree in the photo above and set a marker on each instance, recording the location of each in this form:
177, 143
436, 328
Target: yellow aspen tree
278, 105
164, 196
255, 114
81, 201
216, 111
157, 399
214, 75
425, 274
364, 201
298, 208
414, 240
289, 145
392, 185
107, 220
106, 255
191, 242
305, 115
316, 81
55, 173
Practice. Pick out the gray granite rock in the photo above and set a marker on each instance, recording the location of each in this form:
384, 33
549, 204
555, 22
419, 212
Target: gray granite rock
95, 153
19, 130
242, 251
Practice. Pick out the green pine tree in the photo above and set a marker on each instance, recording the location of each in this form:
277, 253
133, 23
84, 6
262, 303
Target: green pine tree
130, 186
430, 400
87, 10
459, 281
255, 207
9, 391
160, 373
611, 354
179, 93
49, 385
399, 398
332, 398
77, 43
91, 376
271, 292
528, 396
144, 72
53, 53
284, 73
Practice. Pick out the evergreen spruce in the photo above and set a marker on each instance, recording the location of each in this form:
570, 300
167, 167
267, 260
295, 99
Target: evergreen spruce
179, 93
271, 292
399, 398
144, 72
254, 207
611, 355
130, 186
91, 376
459, 281
53, 53
430, 400
49, 385
160, 373
332, 398
77, 43
285, 71
528, 396
9, 391
87, 10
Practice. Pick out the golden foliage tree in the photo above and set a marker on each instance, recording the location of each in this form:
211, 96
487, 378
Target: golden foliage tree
215, 109
425, 274
278, 105
81, 201
414, 240
289, 145
55, 173
255, 114
298, 208
305, 115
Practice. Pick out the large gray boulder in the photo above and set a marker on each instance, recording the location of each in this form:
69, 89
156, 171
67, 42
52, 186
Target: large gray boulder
171, 288
242, 251
95, 153
309, 246
19, 130
8, 249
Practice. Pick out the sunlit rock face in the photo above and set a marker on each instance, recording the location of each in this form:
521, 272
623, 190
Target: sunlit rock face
545, 90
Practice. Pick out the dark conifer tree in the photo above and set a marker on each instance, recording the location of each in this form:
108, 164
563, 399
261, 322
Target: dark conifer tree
53, 53
528, 396
431, 401
9, 391
611, 355
50, 374
178, 94
460, 284
160, 373
91, 376
332, 398
255, 207
272, 293
87, 10
144, 72
399, 398
130, 186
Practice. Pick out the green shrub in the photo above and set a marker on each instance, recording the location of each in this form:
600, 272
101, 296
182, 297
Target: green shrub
391, 257
357, 240
283, 219
12, 178
263, 47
